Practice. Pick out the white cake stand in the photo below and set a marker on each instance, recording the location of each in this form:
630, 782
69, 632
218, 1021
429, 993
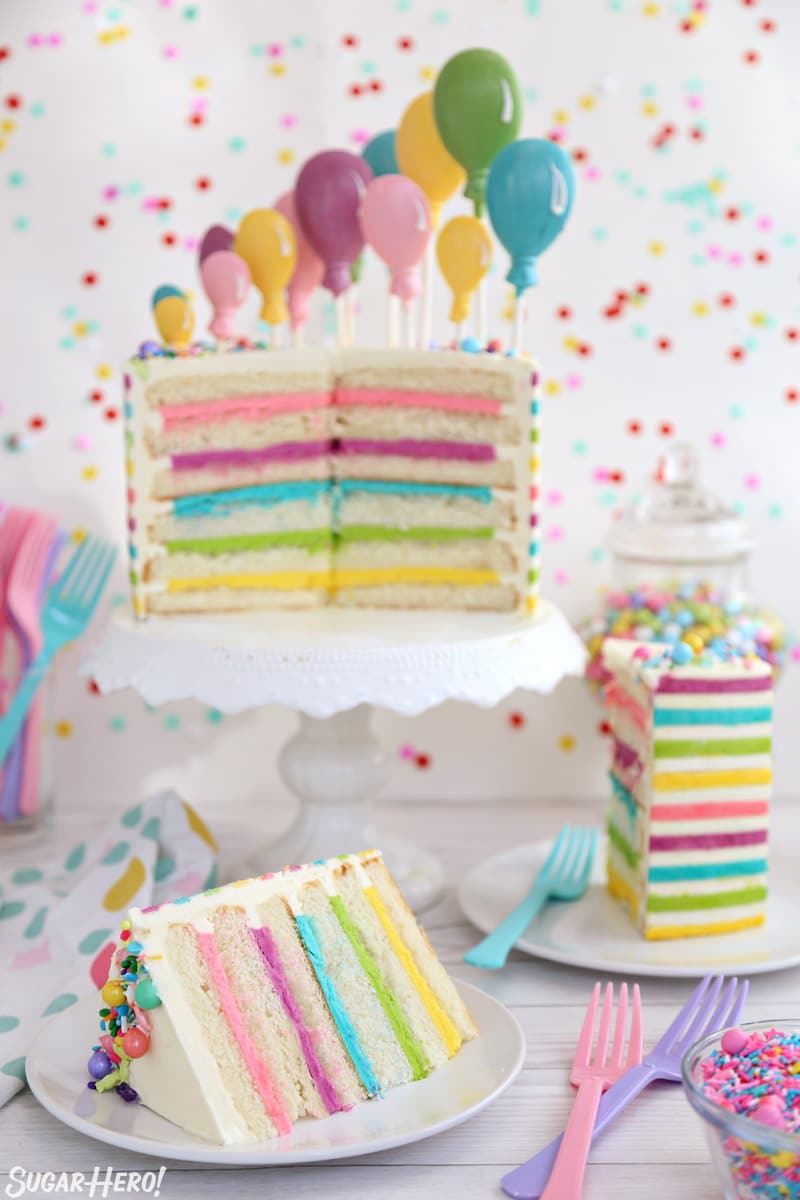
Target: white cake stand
333, 666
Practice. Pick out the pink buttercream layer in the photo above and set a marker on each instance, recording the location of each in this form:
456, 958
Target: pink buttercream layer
258, 1069
674, 685
709, 812
394, 398
284, 452
412, 448
214, 412
626, 757
615, 695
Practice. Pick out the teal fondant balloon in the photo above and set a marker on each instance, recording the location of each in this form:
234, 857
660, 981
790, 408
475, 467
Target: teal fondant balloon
530, 193
380, 156
161, 293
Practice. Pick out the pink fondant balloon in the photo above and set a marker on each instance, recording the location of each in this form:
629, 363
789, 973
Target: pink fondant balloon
214, 239
328, 196
310, 268
226, 281
396, 221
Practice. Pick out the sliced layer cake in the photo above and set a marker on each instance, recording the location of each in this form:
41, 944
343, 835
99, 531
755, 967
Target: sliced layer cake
292, 479
691, 784
238, 1011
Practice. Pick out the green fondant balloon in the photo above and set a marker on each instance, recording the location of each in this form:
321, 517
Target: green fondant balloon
478, 108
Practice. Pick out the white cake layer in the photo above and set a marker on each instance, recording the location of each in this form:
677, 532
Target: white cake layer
288, 516
711, 733
242, 434
251, 562
235, 600
688, 918
718, 700
473, 554
628, 825
406, 512
458, 373
711, 762
708, 856
498, 473
425, 423
708, 887
169, 484
487, 598
209, 377
752, 791
696, 826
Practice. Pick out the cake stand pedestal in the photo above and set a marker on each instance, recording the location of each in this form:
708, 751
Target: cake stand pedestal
333, 666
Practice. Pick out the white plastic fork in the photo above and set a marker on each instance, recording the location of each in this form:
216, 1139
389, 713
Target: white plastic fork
591, 1076
67, 612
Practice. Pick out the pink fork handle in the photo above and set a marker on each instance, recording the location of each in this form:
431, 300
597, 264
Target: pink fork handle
31, 757
566, 1178
529, 1181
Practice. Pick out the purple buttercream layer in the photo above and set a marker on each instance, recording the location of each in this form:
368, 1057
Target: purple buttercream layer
709, 841
285, 452
412, 448
674, 684
272, 962
626, 756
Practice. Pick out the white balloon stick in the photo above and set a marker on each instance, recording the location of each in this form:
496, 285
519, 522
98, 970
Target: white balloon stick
393, 315
519, 321
341, 320
483, 312
297, 336
428, 277
411, 331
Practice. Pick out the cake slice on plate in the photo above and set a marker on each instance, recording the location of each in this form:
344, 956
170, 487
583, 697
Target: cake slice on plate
238, 1011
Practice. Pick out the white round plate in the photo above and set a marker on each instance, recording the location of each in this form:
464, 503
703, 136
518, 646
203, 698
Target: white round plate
597, 933
479, 1072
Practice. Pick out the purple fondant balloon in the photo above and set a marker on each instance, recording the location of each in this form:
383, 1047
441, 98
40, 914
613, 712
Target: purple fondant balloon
328, 196
214, 239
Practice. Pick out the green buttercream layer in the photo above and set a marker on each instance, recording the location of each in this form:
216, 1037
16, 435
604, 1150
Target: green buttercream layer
312, 540
748, 895
623, 845
414, 533
732, 746
388, 1001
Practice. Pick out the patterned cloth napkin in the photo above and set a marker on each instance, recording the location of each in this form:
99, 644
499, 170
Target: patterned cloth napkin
59, 922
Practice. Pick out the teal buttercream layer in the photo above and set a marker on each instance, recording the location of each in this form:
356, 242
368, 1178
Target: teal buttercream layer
219, 504
711, 716
305, 927
388, 488
752, 866
624, 796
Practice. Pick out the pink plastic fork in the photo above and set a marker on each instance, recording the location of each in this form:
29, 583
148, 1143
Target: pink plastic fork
592, 1076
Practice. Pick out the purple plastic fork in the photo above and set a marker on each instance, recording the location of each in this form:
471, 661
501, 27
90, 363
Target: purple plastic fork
703, 1012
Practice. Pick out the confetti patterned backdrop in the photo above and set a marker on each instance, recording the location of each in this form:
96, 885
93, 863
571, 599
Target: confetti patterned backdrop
668, 308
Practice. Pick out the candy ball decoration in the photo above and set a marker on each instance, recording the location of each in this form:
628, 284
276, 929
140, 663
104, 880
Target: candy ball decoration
529, 194
379, 154
464, 254
309, 268
478, 108
113, 993
135, 1043
146, 995
266, 242
396, 221
423, 156
226, 282
174, 317
328, 195
100, 1065
214, 239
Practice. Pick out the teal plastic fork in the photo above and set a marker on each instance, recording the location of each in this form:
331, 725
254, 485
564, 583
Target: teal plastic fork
564, 876
66, 613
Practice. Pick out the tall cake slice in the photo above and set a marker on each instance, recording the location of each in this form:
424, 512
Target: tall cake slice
691, 783
358, 478
240, 1010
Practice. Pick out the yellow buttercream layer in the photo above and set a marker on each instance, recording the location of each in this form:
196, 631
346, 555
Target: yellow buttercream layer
450, 1035
330, 581
620, 889
684, 781
663, 932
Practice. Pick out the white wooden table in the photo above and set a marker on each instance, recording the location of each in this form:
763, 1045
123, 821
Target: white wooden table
656, 1148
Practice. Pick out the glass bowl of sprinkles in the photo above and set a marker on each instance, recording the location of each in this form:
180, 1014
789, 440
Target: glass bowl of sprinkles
745, 1084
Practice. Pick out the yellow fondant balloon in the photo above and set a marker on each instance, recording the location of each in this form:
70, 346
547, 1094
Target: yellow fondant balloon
174, 317
464, 253
422, 156
266, 242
